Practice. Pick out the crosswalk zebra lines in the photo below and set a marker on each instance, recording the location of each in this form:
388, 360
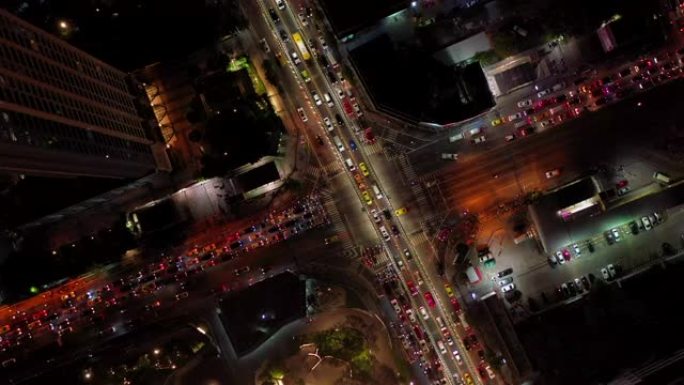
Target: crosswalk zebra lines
327, 170
418, 238
336, 220
373, 149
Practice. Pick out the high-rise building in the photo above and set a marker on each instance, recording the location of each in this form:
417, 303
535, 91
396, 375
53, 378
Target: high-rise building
64, 112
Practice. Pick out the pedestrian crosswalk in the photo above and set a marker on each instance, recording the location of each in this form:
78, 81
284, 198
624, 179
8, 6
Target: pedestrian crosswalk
375, 148
418, 238
336, 220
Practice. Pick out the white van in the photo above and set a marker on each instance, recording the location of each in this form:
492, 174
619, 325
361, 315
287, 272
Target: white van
376, 190
350, 164
338, 143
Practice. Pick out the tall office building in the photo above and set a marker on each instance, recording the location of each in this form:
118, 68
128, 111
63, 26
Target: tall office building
64, 112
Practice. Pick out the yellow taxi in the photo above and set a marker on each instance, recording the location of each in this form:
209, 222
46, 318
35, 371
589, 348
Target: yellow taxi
449, 290
364, 169
400, 211
366, 197
468, 379
496, 122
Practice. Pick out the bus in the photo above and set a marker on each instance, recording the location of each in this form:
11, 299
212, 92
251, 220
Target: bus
301, 46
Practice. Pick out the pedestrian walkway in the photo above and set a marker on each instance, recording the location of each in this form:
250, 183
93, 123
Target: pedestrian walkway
336, 220
375, 148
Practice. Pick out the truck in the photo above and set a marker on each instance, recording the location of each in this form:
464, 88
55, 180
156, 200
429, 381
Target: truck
331, 58
297, 38
473, 275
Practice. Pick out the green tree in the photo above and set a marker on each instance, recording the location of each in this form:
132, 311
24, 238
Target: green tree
487, 57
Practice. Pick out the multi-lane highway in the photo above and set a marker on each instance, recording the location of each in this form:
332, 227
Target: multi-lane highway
320, 104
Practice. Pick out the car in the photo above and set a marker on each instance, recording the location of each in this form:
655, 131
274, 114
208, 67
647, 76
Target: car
274, 15
505, 281
503, 273
590, 247
552, 173
424, 312
328, 100
376, 217
611, 270
449, 156
609, 237
634, 227
302, 115
316, 98
508, 288
400, 211
510, 137
560, 258
395, 230
357, 109
295, 57
558, 86
411, 316
385, 234
616, 234
468, 379
545, 123
408, 255
449, 290
525, 131
429, 299
647, 223
280, 4
566, 254
577, 250
604, 273
553, 260
479, 139
364, 169
578, 285
525, 103
328, 123
658, 218
543, 93
516, 116
496, 121
366, 197
352, 145
585, 283
622, 191
240, 271
412, 287
321, 40
490, 372
182, 295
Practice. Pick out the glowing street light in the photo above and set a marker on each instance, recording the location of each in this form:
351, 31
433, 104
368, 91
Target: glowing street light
156, 352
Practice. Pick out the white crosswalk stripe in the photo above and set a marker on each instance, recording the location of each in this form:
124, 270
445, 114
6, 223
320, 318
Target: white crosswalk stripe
336, 220
375, 148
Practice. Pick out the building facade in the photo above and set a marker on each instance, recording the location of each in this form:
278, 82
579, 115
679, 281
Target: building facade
65, 113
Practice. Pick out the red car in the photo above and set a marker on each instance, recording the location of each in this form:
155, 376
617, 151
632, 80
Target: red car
429, 299
622, 183
455, 304
412, 287
566, 254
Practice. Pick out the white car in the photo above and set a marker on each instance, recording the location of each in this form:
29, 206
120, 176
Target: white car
316, 98
302, 18
479, 139
545, 123
560, 258
295, 57
647, 223
457, 356
281, 4
508, 288
604, 273
516, 116
543, 93
340, 93
302, 115
577, 250
328, 123
375, 215
611, 270
411, 316
328, 100
616, 234
424, 312
552, 173
525, 103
